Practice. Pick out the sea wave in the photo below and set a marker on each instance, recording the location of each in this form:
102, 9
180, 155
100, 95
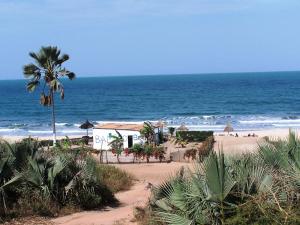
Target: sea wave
287, 125
65, 124
122, 122
270, 121
8, 129
40, 131
201, 122
72, 131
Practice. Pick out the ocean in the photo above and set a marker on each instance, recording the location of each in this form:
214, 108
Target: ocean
249, 101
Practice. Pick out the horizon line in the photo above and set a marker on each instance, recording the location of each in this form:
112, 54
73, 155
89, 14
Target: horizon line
170, 74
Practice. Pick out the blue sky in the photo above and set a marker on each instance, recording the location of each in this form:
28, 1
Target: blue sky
132, 37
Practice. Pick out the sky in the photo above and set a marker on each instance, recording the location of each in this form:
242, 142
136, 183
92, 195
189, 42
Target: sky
141, 37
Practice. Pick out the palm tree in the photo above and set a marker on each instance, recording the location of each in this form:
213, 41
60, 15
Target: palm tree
148, 132
117, 144
48, 71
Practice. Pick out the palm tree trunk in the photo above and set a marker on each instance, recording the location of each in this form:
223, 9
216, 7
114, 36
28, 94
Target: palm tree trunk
106, 156
53, 119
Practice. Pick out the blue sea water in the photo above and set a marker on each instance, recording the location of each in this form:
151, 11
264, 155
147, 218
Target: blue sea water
202, 102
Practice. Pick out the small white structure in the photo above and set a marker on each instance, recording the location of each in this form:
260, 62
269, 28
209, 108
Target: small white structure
102, 134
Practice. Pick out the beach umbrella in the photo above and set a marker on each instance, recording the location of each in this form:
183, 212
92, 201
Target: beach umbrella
160, 123
182, 128
86, 125
228, 128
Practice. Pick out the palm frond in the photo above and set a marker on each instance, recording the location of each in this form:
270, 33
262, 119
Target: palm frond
31, 86
60, 163
173, 218
218, 179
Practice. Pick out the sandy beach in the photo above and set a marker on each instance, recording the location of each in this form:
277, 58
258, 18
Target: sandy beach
272, 133
243, 143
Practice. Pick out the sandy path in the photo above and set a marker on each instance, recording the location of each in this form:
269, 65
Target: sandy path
138, 195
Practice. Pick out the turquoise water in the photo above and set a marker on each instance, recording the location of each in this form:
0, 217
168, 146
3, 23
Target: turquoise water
202, 102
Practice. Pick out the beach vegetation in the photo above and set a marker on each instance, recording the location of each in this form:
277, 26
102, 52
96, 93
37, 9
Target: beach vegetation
194, 136
180, 141
254, 188
114, 179
140, 152
147, 151
47, 71
199, 153
38, 181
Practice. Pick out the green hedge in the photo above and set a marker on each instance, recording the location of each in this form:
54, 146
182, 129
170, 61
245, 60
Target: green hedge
194, 136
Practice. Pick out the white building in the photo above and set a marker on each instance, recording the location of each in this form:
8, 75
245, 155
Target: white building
102, 134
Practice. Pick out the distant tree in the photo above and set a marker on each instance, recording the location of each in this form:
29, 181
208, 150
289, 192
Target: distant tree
47, 70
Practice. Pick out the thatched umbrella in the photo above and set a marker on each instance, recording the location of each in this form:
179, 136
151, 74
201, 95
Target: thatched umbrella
228, 128
160, 124
87, 125
182, 128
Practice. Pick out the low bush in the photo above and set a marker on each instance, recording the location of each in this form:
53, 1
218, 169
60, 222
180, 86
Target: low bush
114, 178
201, 152
144, 216
33, 203
251, 213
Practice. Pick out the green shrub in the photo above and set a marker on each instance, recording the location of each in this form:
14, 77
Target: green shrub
88, 199
252, 214
38, 181
34, 203
194, 136
114, 178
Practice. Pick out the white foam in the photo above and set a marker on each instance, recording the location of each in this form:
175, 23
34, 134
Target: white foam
40, 131
124, 122
274, 121
61, 124
72, 131
287, 125
208, 117
7, 129
201, 126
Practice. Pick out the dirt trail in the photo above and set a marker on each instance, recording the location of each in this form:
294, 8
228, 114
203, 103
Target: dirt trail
138, 195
